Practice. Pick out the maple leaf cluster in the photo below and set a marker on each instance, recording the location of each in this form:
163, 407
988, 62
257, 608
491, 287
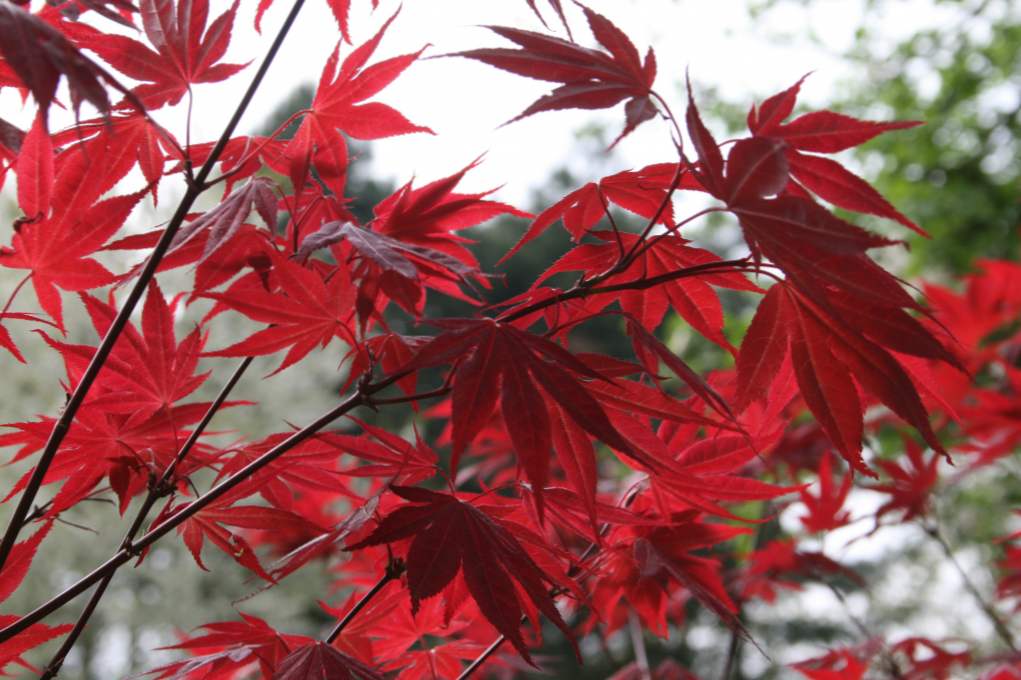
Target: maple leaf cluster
591, 491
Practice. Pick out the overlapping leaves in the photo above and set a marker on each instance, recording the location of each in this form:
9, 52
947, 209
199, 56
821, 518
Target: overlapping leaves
451, 536
498, 362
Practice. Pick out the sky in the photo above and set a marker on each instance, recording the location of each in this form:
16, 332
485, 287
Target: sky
466, 102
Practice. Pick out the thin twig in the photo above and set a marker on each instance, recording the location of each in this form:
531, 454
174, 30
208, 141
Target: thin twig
673, 229
1002, 630
613, 222
867, 634
733, 654
589, 287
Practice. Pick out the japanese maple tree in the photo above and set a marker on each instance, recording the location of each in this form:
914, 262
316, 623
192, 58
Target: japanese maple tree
592, 492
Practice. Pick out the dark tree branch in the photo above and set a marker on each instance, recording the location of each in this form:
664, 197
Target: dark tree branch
157, 490
63, 424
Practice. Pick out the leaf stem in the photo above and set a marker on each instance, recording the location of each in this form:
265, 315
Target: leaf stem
393, 571
613, 222
663, 205
669, 115
239, 165
14, 294
638, 645
63, 424
648, 244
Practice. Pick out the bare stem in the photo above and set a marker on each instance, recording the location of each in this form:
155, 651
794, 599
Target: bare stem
63, 424
733, 655
866, 633
1002, 630
481, 658
638, 645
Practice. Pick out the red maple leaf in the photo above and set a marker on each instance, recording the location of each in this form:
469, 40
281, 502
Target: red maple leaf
499, 361
20, 560
692, 298
6, 341
106, 443
640, 564
643, 192
184, 52
101, 152
338, 106
840, 664
210, 524
590, 79
35, 171
306, 311
340, 9
452, 536
320, 661
825, 132
147, 371
35, 635
780, 564
427, 215
825, 511
219, 225
57, 250
36, 54
227, 648
830, 357
912, 480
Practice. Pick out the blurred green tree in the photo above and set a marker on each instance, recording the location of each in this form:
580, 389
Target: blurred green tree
959, 175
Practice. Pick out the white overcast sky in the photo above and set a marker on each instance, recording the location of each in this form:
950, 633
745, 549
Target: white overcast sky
465, 102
